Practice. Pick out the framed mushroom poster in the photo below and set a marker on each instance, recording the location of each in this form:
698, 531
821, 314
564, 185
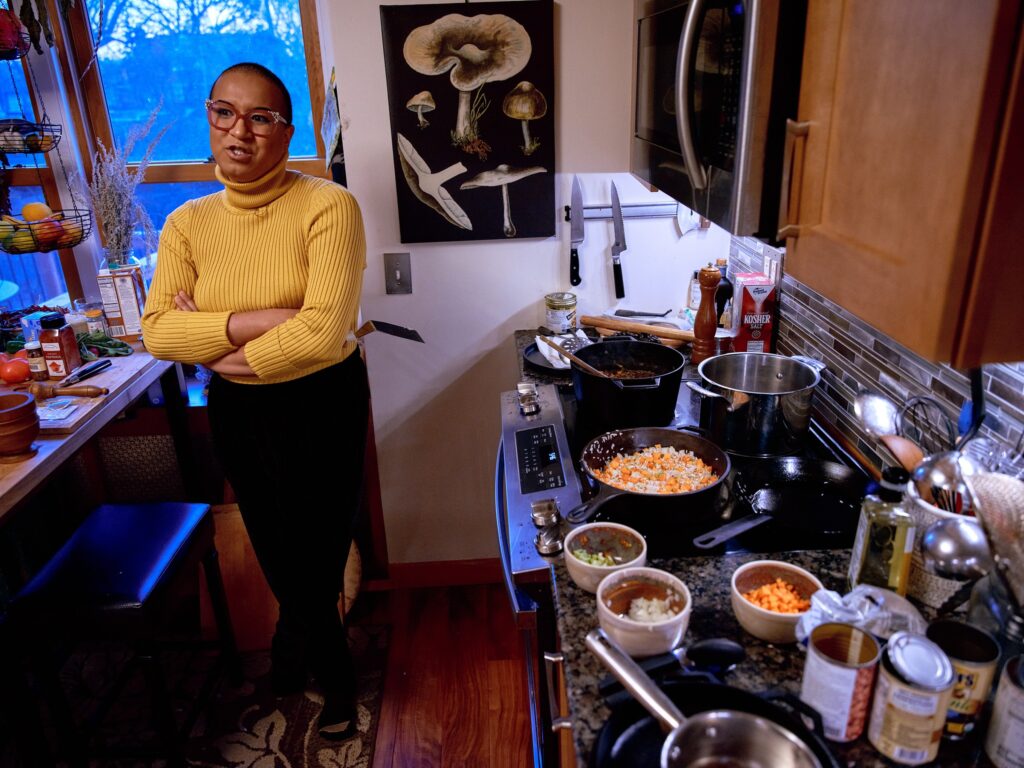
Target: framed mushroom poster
471, 96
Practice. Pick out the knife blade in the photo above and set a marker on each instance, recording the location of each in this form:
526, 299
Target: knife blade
619, 245
575, 230
85, 371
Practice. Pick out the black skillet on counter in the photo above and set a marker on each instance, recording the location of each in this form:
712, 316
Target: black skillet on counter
798, 493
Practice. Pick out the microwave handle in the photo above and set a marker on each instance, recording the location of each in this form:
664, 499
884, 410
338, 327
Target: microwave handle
687, 39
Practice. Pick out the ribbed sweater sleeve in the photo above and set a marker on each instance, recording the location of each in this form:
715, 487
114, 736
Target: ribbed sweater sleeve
170, 334
336, 249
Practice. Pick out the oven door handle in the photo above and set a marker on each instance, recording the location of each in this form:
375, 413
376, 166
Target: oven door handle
523, 605
687, 39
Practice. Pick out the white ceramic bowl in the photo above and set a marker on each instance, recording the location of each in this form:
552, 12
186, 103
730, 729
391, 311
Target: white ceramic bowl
619, 540
770, 626
643, 638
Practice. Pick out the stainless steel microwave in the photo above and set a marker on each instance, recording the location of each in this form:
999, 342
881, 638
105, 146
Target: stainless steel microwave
715, 81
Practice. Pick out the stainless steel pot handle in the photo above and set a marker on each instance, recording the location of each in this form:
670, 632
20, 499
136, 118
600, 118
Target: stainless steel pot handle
695, 387
635, 680
817, 365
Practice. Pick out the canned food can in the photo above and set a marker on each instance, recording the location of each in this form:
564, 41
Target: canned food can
838, 675
1004, 744
560, 312
908, 714
974, 654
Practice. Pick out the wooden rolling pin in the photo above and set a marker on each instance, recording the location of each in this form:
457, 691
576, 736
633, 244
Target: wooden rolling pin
44, 391
664, 331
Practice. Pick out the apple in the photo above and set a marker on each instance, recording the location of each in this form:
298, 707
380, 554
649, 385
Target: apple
47, 232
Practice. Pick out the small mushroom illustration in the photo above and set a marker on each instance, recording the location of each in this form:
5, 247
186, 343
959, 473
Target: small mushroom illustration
502, 176
525, 103
426, 186
420, 103
477, 49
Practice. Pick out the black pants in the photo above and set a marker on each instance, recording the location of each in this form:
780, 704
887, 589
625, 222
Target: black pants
293, 453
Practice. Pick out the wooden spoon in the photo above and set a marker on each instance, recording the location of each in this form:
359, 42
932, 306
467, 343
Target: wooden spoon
907, 452
564, 353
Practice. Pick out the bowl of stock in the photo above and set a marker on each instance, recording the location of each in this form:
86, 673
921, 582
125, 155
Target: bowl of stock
594, 550
646, 611
769, 597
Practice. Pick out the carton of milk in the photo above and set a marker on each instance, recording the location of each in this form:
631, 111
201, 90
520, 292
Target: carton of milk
753, 312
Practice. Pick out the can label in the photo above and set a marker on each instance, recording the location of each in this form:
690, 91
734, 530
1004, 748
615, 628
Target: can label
838, 675
1005, 742
560, 320
906, 722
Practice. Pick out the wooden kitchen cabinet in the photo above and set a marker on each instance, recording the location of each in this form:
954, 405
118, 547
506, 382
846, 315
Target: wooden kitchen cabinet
906, 201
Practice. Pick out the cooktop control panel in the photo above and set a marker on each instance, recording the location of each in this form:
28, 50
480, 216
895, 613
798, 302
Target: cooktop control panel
540, 466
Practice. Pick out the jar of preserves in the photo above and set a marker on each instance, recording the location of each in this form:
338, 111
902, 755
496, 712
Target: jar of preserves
60, 347
560, 312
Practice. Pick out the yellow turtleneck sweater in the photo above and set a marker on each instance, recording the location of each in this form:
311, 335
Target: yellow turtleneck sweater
285, 240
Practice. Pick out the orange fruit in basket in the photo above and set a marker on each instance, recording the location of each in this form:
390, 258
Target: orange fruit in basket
72, 232
35, 211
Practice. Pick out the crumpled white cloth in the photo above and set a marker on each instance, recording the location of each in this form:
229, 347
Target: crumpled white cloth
878, 611
556, 360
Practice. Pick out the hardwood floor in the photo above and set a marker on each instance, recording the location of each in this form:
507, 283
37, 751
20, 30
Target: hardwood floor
455, 684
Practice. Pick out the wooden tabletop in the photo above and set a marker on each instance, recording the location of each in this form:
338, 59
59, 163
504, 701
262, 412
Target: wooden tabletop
128, 378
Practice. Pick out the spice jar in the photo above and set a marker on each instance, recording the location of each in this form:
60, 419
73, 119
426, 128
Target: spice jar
560, 312
95, 320
36, 361
60, 347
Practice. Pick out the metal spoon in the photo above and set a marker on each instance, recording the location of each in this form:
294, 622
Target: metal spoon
877, 413
939, 479
956, 548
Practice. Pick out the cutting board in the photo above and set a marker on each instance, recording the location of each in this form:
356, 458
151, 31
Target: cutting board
118, 377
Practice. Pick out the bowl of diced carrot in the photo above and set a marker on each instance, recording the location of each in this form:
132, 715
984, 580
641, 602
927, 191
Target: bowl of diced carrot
770, 596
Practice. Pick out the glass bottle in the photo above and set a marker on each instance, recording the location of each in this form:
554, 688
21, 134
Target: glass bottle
884, 543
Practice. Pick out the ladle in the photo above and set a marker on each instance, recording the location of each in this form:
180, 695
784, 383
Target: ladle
877, 413
569, 355
956, 548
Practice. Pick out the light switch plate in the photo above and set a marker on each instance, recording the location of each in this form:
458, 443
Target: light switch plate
397, 273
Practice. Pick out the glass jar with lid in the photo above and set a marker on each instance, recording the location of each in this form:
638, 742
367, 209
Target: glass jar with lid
560, 312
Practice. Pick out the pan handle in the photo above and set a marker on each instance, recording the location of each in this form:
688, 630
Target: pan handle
695, 387
725, 532
635, 680
652, 384
817, 365
588, 509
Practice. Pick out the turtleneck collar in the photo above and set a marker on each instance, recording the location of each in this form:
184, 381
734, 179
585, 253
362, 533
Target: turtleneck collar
259, 192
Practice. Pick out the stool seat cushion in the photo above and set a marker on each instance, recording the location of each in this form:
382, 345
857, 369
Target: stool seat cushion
115, 559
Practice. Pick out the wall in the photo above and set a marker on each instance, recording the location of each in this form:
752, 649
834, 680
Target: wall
860, 357
435, 406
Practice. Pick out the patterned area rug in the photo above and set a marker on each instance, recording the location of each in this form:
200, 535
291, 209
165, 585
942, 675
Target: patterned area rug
243, 727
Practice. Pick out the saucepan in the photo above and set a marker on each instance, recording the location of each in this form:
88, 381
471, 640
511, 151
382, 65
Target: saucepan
697, 506
718, 737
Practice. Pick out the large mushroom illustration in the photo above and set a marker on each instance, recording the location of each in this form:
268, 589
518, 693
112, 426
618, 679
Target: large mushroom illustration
426, 186
502, 176
525, 103
477, 49
420, 103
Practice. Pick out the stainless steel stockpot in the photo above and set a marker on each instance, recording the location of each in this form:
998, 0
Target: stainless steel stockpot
755, 403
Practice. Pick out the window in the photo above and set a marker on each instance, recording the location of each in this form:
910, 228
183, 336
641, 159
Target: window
123, 63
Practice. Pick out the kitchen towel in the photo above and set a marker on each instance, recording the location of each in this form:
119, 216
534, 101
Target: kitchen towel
556, 360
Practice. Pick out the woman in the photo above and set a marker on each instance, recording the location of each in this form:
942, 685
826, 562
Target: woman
260, 283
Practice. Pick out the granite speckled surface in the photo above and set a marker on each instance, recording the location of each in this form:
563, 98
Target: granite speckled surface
766, 666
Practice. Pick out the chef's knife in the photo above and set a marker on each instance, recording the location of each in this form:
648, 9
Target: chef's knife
619, 245
84, 372
575, 230
390, 329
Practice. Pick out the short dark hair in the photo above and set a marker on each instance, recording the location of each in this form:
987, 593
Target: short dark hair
266, 74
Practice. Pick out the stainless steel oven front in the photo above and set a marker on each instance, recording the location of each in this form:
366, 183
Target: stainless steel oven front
714, 82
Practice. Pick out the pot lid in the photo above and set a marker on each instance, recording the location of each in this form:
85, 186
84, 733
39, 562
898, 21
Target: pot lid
920, 661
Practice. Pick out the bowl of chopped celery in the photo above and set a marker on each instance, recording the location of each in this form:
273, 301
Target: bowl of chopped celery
594, 550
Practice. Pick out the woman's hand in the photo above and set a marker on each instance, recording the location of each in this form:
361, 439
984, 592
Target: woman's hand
184, 302
243, 327
232, 364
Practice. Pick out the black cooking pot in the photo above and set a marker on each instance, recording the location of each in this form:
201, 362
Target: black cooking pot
642, 392
698, 506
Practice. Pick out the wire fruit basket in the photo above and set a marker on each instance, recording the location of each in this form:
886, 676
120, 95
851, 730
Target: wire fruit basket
61, 229
23, 136
20, 48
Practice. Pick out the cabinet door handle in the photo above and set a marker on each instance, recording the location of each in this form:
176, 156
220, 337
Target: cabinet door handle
790, 188
551, 660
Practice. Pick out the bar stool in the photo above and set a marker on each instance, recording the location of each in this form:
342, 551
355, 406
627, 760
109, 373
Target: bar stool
117, 578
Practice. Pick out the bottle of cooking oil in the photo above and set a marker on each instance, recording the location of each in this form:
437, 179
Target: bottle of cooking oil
885, 536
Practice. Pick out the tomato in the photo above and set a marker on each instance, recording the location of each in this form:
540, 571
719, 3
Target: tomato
4, 357
14, 371
21, 354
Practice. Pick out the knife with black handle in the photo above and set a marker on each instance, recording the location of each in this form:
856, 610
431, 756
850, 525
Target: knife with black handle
619, 245
575, 230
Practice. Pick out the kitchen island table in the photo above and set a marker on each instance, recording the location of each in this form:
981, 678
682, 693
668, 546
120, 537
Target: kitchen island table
766, 667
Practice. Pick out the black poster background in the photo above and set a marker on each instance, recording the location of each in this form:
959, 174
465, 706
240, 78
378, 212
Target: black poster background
531, 199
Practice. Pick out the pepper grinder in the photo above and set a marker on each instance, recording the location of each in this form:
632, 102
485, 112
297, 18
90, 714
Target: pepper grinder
706, 323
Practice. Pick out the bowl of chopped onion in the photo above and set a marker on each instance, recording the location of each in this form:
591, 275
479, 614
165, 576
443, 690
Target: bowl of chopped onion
644, 610
594, 550
770, 596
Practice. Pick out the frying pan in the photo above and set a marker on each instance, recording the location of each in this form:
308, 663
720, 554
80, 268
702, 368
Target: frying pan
711, 737
798, 492
603, 448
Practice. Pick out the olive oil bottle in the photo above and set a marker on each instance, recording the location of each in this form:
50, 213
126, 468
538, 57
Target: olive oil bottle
884, 543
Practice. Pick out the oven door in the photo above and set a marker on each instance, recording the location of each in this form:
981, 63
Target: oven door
704, 103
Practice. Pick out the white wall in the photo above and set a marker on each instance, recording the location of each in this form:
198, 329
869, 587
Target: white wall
435, 406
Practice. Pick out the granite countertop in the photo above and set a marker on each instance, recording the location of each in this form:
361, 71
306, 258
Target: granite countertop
766, 666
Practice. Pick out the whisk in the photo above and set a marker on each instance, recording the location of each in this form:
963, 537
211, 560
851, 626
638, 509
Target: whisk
923, 420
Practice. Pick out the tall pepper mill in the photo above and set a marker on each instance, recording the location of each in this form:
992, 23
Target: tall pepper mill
706, 323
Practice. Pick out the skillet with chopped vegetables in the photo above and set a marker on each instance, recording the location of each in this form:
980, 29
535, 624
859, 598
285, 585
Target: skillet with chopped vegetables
658, 470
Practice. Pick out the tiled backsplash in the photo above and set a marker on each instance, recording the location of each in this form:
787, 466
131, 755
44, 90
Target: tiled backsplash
860, 357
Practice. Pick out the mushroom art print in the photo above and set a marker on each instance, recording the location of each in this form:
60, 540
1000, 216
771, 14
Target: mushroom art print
471, 98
